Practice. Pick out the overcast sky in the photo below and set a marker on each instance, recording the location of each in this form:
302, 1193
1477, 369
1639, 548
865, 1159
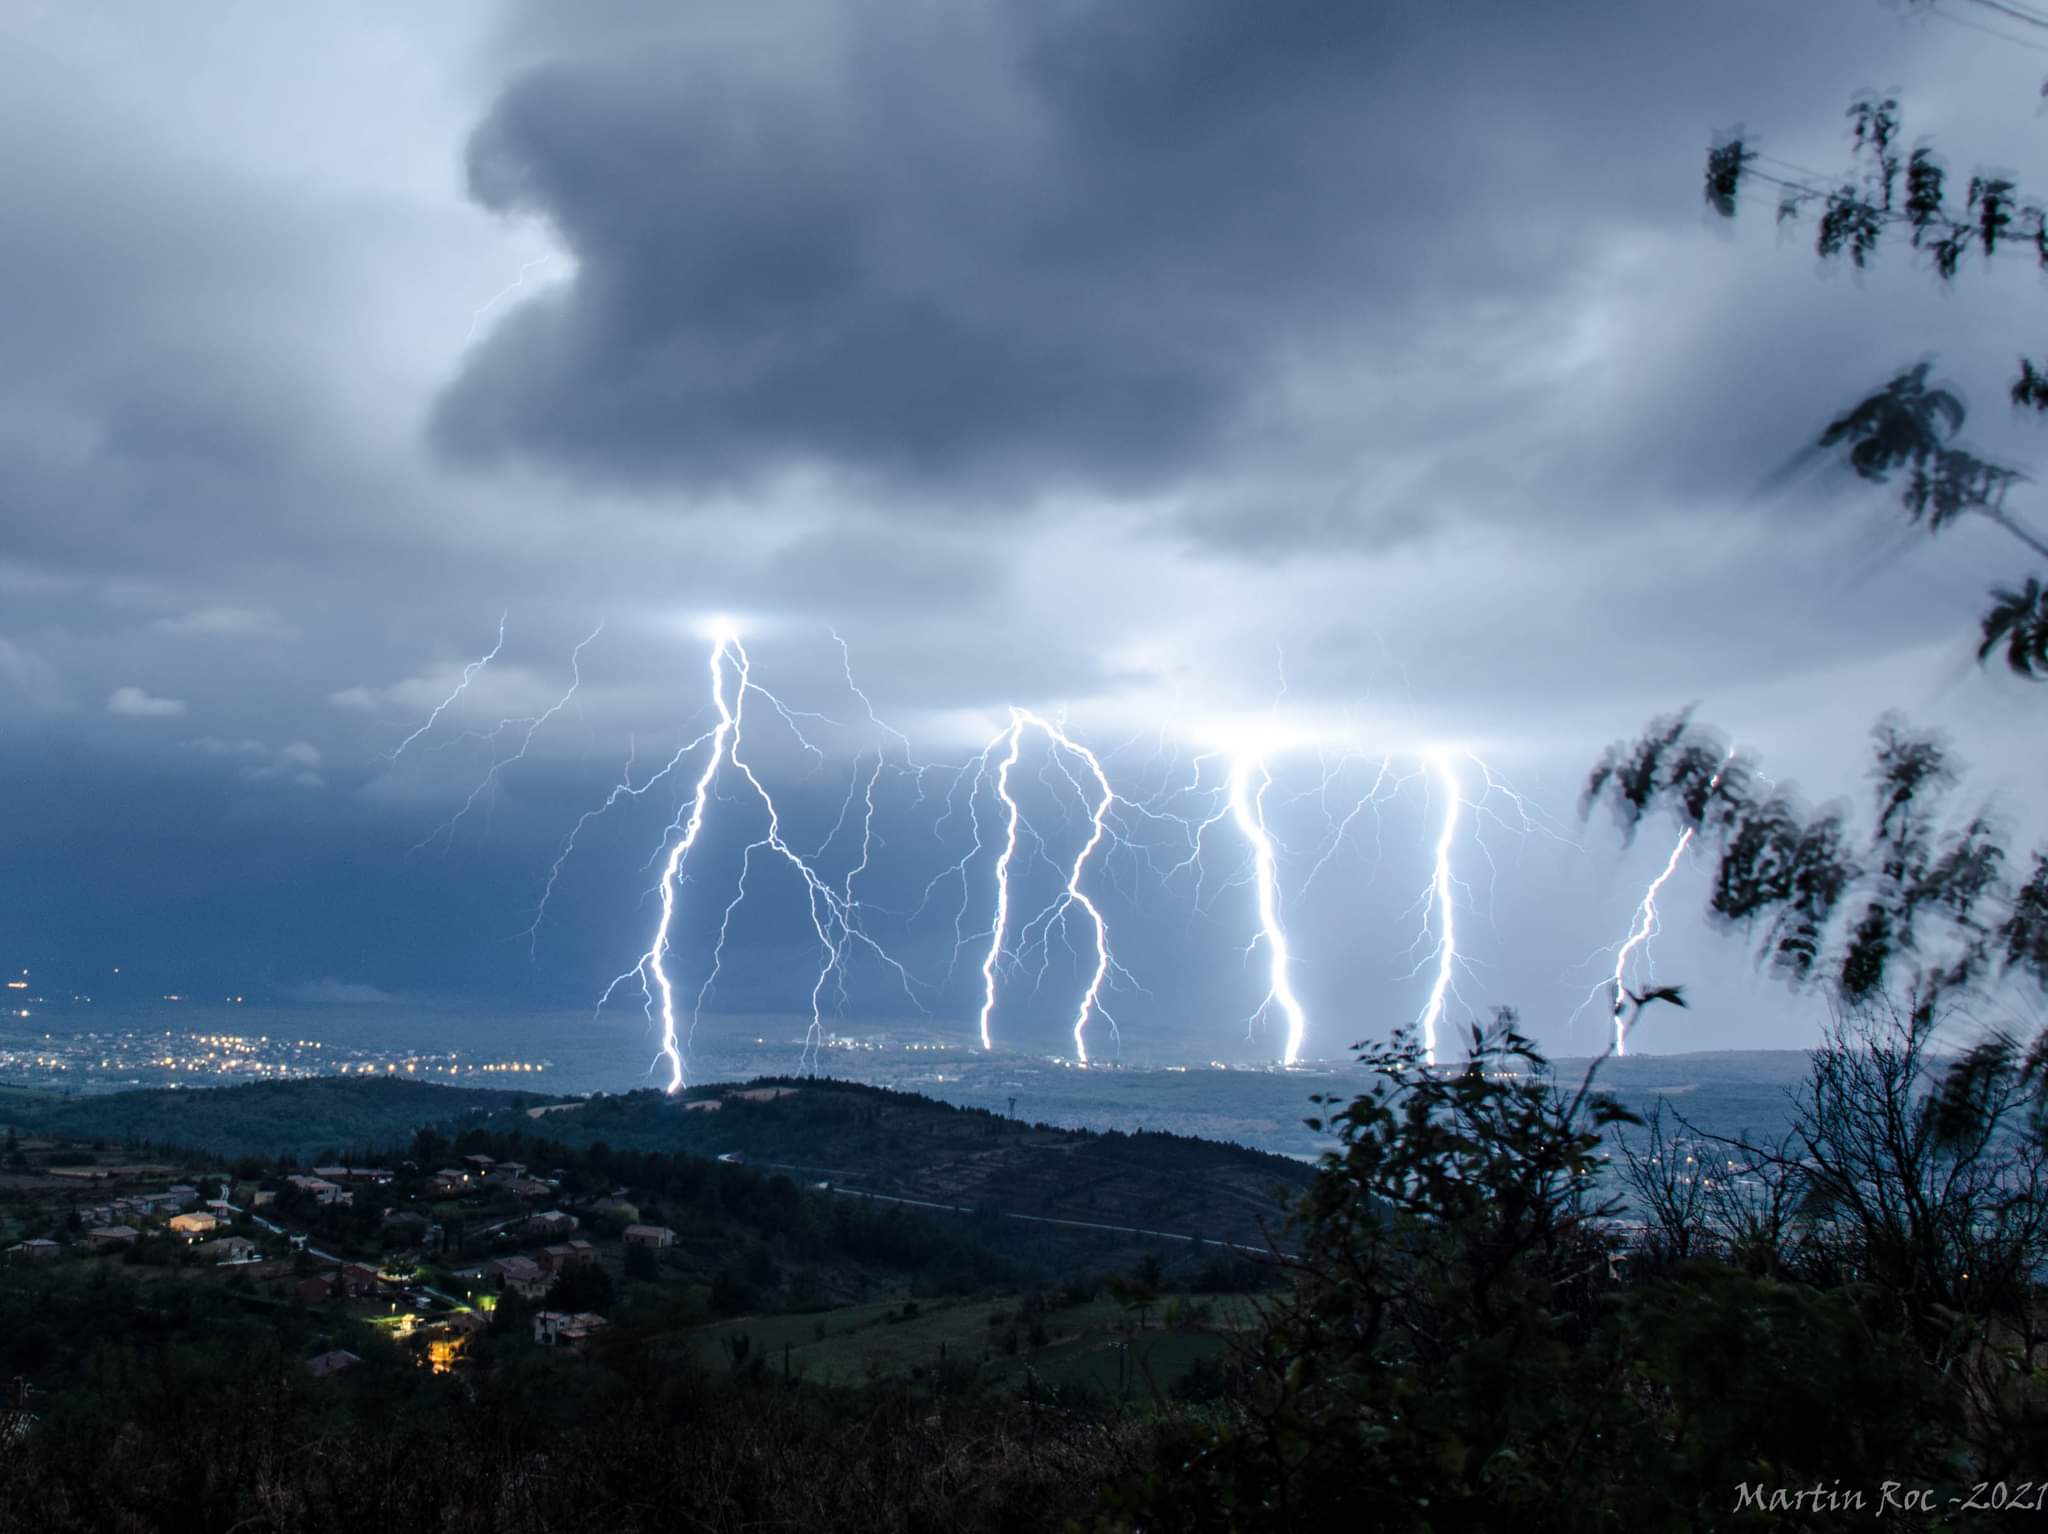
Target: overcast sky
1366, 376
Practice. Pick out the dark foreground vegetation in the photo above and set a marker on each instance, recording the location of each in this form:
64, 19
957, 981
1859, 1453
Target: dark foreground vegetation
1461, 1336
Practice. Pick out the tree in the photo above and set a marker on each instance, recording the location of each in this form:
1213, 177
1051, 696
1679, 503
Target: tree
1671, 1189
1908, 423
1457, 1354
1927, 903
587, 1287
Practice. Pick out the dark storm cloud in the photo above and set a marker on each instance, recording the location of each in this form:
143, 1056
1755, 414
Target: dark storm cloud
1026, 249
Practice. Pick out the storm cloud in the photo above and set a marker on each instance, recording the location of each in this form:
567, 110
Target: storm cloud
980, 258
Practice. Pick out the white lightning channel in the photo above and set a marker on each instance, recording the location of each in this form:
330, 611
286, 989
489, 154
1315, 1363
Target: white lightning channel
654, 960
1002, 916
835, 918
1644, 929
533, 725
1446, 911
468, 675
1248, 808
1647, 923
1091, 998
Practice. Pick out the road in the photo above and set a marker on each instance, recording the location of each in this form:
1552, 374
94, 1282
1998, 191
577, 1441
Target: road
325, 1256
1046, 1219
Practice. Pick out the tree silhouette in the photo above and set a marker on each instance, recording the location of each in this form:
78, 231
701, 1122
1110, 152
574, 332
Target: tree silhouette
2018, 622
1909, 423
1926, 900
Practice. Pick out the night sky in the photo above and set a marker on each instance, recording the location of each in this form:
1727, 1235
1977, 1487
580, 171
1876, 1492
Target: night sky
1308, 378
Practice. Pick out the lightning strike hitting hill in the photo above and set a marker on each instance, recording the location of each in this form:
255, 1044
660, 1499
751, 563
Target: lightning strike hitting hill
1073, 895
835, 918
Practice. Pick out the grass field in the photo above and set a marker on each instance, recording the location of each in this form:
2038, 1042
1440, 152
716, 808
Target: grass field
858, 1343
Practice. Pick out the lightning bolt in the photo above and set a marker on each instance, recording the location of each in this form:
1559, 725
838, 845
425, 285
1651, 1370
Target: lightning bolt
1091, 998
533, 726
1248, 809
834, 912
653, 963
468, 675
1100, 831
1002, 916
476, 320
1440, 898
1647, 924
1644, 928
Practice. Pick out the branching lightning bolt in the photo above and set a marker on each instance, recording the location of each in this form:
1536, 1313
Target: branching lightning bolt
1100, 830
468, 675
1445, 906
834, 912
1002, 916
653, 963
1248, 808
533, 725
1647, 924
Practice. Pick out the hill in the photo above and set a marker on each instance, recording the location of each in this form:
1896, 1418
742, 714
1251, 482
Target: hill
267, 1118
903, 1145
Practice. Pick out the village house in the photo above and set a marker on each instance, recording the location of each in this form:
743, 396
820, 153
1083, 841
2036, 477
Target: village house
578, 1253
507, 1171
262, 1198
112, 1235
551, 1222
321, 1190
449, 1179
193, 1226
654, 1236
523, 1276
228, 1249
364, 1174
318, 1289
481, 1164
34, 1249
357, 1279
554, 1328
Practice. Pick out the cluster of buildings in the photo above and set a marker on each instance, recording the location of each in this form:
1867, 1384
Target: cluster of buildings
352, 1280
480, 1173
553, 1246
122, 1221
559, 1329
532, 1275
